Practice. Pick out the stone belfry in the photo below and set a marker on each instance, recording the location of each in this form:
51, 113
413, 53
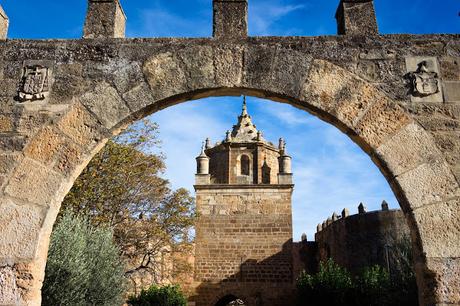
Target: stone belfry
244, 228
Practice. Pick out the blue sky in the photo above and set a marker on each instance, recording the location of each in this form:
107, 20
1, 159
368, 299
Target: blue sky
330, 171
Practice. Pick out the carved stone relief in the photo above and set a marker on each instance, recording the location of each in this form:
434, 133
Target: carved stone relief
424, 81
35, 83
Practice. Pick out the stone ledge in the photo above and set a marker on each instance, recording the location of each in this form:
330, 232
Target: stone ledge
233, 186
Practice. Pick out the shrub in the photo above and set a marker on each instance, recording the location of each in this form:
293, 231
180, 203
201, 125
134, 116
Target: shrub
372, 287
330, 286
375, 286
159, 296
83, 266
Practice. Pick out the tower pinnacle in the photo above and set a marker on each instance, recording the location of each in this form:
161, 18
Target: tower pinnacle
244, 112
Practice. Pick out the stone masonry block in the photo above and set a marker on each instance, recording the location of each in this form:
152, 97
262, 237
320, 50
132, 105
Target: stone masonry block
104, 19
289, 71
139, 97
19, 230
4, 23
450, 68
230, 18
439, 228
199, 62
383, 119
9, 294
164, 75
356, 17
418, 148
451, 91
229, 66
428, 183
45, 145
442, 284
34, 183
105, 102
81, 126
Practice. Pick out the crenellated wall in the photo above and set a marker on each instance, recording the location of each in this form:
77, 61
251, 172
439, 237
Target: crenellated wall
361, 240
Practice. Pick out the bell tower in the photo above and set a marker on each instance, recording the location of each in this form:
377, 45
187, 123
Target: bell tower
244, 228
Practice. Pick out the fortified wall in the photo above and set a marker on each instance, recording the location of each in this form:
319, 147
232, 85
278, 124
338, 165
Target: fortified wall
361, 240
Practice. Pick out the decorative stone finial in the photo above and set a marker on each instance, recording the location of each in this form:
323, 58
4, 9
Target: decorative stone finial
208, 143
244, 111
329, 221
356, 17
228, 136
4, 23
281, 144
385, 206
319, 228
259, 135
345, 213
104, 19
361, 208
230, 18
323, 225
244, 130
304, 237
202, 162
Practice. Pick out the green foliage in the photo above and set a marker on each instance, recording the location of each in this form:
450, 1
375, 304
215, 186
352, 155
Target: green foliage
159, 296
83, 266
374, 286
122, 187
330, 286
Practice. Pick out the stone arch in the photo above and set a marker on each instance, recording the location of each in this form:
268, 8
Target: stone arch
39, 178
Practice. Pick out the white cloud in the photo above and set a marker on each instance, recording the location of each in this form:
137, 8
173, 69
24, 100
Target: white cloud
264, 14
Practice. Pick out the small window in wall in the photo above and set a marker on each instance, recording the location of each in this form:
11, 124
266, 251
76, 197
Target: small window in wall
245, 165
266, 174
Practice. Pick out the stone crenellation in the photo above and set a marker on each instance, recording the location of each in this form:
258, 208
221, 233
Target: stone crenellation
346, 213
363, 239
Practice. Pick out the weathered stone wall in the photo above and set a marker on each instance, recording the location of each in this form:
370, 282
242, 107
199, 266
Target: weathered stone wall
362, 240
405, 118
243, 240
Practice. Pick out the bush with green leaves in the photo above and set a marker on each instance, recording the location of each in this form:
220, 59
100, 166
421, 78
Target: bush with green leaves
83, 267
374, 286
330, 286
159, 296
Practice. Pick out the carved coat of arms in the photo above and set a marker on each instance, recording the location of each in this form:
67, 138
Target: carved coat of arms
424, 82
34, 83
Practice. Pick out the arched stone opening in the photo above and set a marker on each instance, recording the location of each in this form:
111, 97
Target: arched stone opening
245, 165
399, 146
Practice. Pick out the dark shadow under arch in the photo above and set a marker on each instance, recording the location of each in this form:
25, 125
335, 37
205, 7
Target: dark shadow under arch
226, 300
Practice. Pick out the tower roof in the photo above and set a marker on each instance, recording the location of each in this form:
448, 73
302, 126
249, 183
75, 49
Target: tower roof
245, 130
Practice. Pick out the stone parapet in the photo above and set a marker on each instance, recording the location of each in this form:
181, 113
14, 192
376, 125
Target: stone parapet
104, 19
4, 23
230, 18
363, 239
356, 17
